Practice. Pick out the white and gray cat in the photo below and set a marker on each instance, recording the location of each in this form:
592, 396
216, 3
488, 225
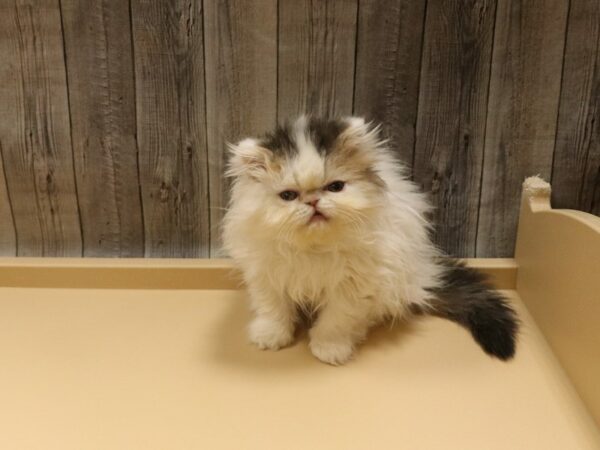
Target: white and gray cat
322, 218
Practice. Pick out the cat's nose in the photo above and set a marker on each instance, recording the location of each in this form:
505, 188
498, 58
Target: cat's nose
313, 202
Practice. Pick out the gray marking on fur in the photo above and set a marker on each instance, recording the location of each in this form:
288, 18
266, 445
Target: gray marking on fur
322, 133
280, 141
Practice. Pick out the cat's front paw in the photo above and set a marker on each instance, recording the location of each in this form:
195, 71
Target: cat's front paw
332, 352
268, 334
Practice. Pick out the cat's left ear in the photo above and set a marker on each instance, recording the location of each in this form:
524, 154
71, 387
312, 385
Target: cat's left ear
357, 125
248, 158
359, 128
360, 131
362, 136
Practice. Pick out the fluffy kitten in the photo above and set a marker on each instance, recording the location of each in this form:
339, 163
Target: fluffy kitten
322, 219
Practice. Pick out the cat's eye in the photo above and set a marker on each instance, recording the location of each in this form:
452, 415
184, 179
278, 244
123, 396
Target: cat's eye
288, 196
336, 186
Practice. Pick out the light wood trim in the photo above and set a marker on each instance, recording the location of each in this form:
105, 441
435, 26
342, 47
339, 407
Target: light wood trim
105, 273
137, 273
558, 253
502, 272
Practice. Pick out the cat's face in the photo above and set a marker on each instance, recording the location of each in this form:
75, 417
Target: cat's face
310, 181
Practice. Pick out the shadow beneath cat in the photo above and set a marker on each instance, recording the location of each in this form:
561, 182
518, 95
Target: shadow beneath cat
234, 349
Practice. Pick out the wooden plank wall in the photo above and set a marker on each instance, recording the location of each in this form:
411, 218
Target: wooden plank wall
522, 110
576, 174
114, 116
388, 63
98, 57
317, 43
35, 130
451, 117
241, 85
168, 54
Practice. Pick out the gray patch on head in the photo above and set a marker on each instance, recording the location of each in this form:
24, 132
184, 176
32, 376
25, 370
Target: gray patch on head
324, 132
280, 141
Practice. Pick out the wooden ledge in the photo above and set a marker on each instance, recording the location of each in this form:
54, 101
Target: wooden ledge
107, 273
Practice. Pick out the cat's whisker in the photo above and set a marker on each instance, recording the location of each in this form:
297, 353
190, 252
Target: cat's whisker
355, 219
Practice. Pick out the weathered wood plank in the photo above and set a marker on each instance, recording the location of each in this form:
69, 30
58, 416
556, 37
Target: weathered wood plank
316, 57
576, 169
241, 82
34, 129
522, 112
169, 72
8, 239
388, 63
102, 102
451, 117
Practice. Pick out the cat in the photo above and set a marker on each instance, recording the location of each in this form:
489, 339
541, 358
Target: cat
322, 218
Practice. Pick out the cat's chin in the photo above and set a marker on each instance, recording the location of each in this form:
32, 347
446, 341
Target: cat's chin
317, 218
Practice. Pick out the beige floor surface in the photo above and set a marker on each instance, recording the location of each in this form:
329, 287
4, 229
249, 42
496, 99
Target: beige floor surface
90, 369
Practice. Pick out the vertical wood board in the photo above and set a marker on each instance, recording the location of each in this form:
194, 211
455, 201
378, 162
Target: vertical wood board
102, 103
8, 238
451, 117
522, 112
576, 168
317, 42
388, 64
169, 73
241, 85
35, 131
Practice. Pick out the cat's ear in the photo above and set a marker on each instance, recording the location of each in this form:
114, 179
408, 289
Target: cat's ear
247, 157
357, 125
362, 133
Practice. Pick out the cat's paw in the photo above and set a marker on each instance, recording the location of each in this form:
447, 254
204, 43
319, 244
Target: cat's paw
332, 352
268, 334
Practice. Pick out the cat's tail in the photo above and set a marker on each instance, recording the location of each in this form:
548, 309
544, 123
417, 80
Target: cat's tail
466, 297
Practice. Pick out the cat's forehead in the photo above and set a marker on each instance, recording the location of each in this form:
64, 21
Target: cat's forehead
303, 148
306, 133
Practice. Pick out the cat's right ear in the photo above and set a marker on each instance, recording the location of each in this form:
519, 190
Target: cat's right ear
247, 157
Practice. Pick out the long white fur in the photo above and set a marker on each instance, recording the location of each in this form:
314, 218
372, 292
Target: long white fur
369, 262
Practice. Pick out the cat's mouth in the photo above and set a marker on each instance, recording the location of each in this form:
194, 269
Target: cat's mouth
317, 216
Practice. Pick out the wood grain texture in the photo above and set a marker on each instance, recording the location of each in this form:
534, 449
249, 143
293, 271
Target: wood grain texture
388, 63
317, 42
102, 101
522, 113
169, 71
35, 131
451, 118
8, 238
241, 85
576, 168
113, 142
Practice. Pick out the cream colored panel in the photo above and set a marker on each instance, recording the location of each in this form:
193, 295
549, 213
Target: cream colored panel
171, 369
558, 254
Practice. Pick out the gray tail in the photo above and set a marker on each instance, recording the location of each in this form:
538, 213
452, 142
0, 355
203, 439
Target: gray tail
467, 298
